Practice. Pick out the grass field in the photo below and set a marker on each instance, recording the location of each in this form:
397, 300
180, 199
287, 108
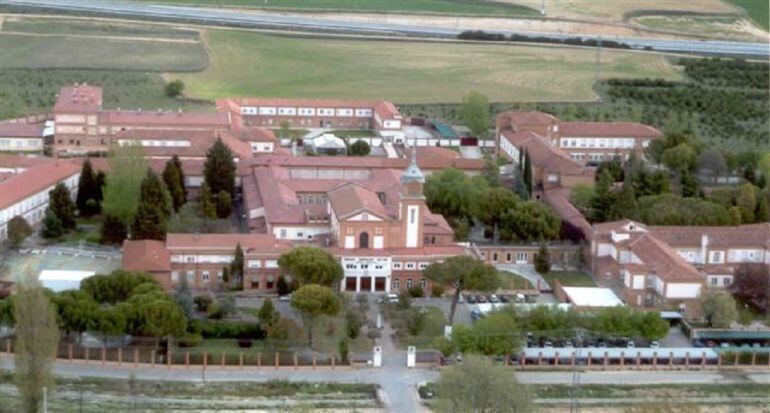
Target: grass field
721, 27
758, 11
570, 278
466, 7
251, 64
618, 10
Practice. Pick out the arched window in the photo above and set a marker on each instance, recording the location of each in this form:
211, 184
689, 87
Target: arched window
363, 240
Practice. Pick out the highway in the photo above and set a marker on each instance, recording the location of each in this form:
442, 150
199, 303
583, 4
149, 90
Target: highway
129, 9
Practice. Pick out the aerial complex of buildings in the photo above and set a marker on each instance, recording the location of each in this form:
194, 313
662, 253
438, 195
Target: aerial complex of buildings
368, 212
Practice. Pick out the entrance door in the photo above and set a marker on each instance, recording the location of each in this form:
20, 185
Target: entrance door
366, 283
379, 283
350, 284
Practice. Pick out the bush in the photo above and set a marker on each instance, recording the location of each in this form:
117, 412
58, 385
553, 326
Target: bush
244, 343
353, 323
203, 302
360, 148
18, 230
414, 321
189, 340
226, 329
216, 312
416, 292
174, 88
343, 349
404, 301
436, 291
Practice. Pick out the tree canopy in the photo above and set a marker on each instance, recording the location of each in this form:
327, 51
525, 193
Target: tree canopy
310, 265
128, 168
60, 203
173, 177
219, 169
154, 210
89, 196
462, 272
312, 301
475, 114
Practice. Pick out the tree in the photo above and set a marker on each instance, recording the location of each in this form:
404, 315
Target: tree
174, 88
752, 286
625, 205
492, 204
542, 260
747, 202
236, 266
76, 309
474, 113
763, 212
491, 171
219, 169
719, 308
530, 221
690, 185
453, 194
60, 202
652, 326
207, 207
128, 167
88, 197
311, 265
18, 230
37, 338
312, 301
462, 273
151, 218
680, 158
478, 385
113, 230
267, 314
498, 333
224, 204
202, 303
360, 148
712, 162
527, 172
117, 286
343, 349
184, 298
109, 321
52, 226
353, 324
173, 177
763, 166
604, 197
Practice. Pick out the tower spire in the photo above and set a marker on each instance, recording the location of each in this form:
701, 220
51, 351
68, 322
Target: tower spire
413, 172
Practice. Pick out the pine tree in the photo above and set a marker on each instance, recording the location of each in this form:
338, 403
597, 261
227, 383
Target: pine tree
88, 190
625, 205
527, 172
114, 230
207, 205
236, 267
603, 197
52, 226
219, 169
224, 205
762, 215
151, 219
101, 180
542, 260
60, 202
174, 179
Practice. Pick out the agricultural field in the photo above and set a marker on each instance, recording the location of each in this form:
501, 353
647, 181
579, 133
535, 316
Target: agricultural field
252, 64
758, 11
723, 27
618, 10
474, 7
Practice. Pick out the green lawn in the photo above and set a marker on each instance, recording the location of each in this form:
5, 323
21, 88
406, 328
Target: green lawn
253, 64
511, 281
472, 7
758, 11
434, 328
570, 278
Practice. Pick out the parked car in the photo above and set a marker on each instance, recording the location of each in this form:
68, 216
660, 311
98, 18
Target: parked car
493, 299
505, 299
548, 344
482, 298
476, 314
654, 344
471, 299
630, 344
286, 297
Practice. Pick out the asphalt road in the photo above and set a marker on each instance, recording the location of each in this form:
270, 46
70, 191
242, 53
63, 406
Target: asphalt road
278, 21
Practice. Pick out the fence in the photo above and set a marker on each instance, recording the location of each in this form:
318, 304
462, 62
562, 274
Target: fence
145, 356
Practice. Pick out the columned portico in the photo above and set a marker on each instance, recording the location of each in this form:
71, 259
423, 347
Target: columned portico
366, 274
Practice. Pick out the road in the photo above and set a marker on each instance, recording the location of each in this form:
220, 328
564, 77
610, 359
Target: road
279, 21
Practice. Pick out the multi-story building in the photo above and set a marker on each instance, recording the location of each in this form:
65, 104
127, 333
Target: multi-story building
378, 115
82, 125
585, 142
21, 137
25, 193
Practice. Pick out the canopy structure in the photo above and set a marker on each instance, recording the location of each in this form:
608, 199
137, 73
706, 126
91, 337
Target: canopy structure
592, 297
61, 280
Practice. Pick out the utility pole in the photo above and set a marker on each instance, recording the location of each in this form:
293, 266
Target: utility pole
575, 386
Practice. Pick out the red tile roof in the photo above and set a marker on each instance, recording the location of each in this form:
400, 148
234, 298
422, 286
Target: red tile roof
225, 242
21, 130
383, 108
527, 118
169, 118
558, 199
753, 235
253, 134
549, 158
34, 180
662, 260
610, 129
79, 98
22, 161
146, 255
350, 199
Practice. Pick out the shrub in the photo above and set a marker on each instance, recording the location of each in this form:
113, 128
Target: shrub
216, 312
353, 323
174, 88
416, 292
414, 321
189, 340
226, 329
18, 230
360, 148
202, 302
436, 291
404, 301
343, 349
244, 343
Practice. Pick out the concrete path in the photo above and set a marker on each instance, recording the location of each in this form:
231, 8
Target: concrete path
527, 271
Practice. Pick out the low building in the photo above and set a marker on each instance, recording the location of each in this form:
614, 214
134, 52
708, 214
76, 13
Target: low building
21, 137
326, 144
25, 194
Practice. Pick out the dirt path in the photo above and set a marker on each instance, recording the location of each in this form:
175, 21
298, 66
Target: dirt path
86, 36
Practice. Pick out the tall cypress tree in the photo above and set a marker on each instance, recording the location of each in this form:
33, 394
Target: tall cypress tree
174, 179
236, 267
206, 203
219, 169
527, 172
151, 219
604, 198
60, 202
52, 226
88, 190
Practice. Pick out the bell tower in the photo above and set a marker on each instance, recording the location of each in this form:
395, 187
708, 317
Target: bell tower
412, 203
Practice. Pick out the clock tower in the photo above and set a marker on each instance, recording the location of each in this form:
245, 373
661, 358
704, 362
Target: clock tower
412, 203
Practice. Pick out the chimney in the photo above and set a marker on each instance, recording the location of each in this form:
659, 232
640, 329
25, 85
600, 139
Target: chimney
704, 242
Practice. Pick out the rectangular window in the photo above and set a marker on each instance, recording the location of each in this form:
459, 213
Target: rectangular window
174, 276
494, 257
206, 276
726, 281
396, 265
394, 285
191, 276
423, 265
423, 283
219, 275
714, 281
411, 216
409, 265
409, 283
